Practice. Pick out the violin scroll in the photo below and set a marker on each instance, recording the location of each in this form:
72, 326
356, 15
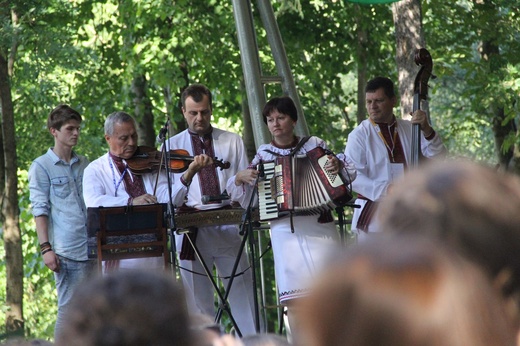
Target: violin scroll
221, 164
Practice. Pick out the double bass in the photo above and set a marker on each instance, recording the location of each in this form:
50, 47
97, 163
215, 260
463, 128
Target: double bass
424, 59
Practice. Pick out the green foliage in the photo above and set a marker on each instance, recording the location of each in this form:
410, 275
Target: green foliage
321, 41
473, 86
40, 300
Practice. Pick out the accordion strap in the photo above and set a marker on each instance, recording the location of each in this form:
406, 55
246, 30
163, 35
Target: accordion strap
299, 145
295, 149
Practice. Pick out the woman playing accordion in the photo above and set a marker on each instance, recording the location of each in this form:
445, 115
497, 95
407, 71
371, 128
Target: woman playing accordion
301, 243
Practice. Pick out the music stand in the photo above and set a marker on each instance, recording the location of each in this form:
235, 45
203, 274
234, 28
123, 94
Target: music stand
116, 233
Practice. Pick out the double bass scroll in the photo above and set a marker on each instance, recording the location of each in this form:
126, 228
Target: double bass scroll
424, 59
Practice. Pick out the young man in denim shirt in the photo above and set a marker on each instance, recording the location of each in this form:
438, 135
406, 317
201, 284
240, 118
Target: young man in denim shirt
56, 194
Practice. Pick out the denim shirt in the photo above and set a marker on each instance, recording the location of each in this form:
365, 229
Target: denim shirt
56, 191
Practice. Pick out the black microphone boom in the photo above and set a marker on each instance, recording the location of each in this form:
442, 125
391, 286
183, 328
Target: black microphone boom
162, 132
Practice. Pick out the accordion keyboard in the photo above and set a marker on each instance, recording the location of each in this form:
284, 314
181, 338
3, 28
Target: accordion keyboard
266, 204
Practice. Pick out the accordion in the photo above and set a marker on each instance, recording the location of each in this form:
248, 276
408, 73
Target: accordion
301, 185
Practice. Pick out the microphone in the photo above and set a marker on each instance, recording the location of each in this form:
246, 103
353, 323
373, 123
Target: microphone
205, 199
162, 132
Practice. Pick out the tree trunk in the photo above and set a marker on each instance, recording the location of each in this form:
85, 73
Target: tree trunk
362, 44
143, 112
500, 133
409, 37
180, 122
10, 211
496, 111
489, 53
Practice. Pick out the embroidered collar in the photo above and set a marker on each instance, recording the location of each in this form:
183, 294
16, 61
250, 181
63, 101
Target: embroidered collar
392, 122
205, 136
289, 146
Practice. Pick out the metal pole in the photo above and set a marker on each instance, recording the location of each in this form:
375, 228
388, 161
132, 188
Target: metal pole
282, 64
252, 69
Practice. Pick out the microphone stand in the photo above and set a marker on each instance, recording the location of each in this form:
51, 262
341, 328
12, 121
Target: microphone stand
247, 220
170, 214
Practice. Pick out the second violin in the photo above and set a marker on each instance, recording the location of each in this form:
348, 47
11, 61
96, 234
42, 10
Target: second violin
149, 159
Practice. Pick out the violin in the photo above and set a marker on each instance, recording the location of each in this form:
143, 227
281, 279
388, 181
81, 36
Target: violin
423, 59
149, 160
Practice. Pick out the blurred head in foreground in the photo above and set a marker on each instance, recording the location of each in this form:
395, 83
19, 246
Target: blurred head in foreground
127, 308
404, 291
473, 208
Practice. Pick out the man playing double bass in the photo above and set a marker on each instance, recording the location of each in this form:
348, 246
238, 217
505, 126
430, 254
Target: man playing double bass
380, 149
108, 182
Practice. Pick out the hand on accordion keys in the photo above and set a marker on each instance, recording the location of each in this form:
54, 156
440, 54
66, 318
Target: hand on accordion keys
247, 176
333, 165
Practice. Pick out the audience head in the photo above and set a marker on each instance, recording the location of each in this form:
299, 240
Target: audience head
403, 291
265, 339
128, 308
472, 207
284, 105
205, 329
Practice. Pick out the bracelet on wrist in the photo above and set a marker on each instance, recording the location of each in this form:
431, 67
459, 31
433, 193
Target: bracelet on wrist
44, 244
46, 250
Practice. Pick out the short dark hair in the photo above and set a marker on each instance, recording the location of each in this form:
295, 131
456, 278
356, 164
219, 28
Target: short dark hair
381, 82
196, 92
284, 105
61, 115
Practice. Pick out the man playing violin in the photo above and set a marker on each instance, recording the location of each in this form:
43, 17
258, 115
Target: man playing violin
109, 182
219, 245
